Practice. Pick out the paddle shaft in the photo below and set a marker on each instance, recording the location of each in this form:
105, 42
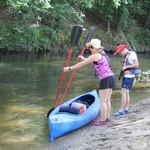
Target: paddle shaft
120, 75
70, 79
74, 38
87, 39
122, 71
62, 77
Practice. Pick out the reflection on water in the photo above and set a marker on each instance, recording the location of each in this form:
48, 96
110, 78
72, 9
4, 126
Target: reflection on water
28, 89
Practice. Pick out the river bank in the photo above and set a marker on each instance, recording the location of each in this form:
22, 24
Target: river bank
127, 132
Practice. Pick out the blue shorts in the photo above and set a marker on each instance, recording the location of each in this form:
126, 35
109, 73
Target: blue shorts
107, 83
127, 83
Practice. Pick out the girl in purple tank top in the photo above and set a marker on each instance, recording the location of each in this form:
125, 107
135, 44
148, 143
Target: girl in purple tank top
103, 68
104, 72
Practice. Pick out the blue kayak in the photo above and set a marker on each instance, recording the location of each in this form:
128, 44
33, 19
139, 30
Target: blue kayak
61, 123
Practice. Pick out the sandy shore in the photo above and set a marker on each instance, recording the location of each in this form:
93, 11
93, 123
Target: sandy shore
127, 132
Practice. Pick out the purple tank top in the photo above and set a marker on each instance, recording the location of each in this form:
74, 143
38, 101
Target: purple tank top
103, 68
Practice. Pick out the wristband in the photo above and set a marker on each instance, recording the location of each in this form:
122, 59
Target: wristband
69, 69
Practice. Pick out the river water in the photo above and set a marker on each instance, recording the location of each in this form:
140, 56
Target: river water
28, 85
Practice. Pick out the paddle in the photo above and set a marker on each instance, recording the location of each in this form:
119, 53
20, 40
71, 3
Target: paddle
74, 38
87, 39
120, 75
122, 71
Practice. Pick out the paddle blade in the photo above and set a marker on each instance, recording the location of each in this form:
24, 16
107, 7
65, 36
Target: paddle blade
88, 37
48, 113
75, 35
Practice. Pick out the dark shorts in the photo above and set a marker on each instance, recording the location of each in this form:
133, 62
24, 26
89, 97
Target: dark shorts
127, 83
108, 83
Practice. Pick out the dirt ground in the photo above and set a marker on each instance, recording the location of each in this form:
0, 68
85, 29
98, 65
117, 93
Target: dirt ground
126, 132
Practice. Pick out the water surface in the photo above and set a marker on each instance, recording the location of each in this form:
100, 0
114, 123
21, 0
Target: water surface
28, 85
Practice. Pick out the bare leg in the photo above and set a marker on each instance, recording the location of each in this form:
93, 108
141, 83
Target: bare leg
109, 104
127, 99
123, 98
104, 94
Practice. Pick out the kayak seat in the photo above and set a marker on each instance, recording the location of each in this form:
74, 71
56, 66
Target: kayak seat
86, 100
85, 103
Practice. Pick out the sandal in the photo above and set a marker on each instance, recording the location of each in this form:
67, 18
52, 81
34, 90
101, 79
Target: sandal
108, 120
127, 110
118, 113
99, 123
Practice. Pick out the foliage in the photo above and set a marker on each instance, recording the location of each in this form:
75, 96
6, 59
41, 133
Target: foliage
143, 76
121, 16
39, 25
33, 25
21, 37
30, 5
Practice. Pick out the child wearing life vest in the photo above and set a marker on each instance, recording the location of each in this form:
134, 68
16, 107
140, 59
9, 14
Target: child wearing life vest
129, 69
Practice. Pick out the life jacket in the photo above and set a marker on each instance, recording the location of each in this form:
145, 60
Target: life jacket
126, 62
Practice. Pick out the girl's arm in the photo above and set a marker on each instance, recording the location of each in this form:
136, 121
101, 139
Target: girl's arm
86, 61
82, 58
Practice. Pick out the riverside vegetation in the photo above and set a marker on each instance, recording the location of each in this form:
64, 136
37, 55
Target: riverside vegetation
45, 25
